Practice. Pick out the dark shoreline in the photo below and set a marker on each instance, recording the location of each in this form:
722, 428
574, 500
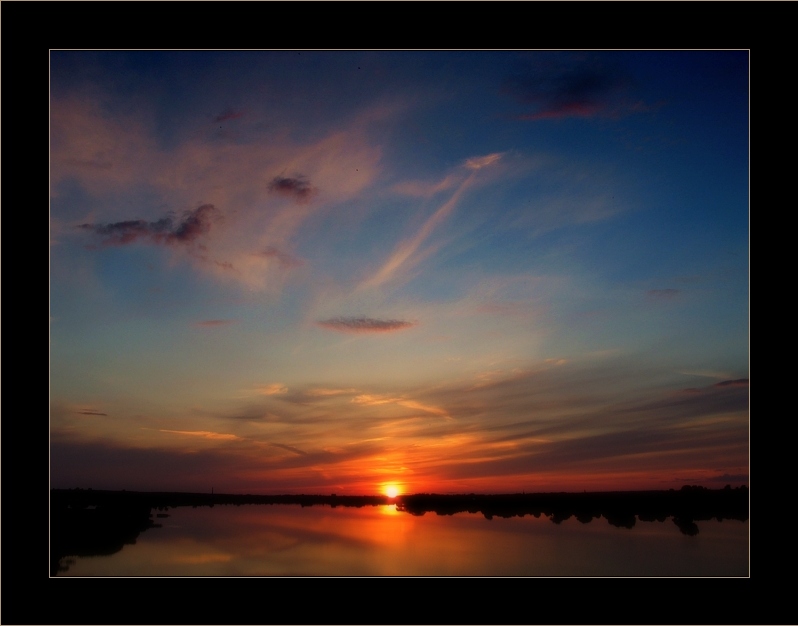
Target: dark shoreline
698, 501
88, 522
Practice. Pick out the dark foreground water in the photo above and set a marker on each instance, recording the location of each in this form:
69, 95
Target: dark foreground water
289, 540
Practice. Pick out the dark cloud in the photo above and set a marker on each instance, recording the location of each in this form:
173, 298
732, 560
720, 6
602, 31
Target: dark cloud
297, 188
724, 385
76, 464
662, 447
213, 323
560, 89
87, 412
285, 260
290, 449
228, 114
194, 224
364, 324
663, 294
740, 382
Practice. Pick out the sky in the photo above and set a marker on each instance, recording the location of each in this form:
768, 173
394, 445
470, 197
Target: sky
438, 271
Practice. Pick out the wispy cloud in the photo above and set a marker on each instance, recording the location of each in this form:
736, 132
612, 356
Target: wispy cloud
424, 189
740, 382
376, 400
405, 253
202, 433
213, 323
297, 188
323, 391
267, 190
271, 390
724, 385
164, 231
90, 412
477, 163
284, 259
289, 448
364, 324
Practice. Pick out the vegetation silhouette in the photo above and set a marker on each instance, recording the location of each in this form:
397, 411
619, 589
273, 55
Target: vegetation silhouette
619, 508
87, 522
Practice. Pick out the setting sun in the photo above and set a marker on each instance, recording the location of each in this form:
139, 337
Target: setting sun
391, 491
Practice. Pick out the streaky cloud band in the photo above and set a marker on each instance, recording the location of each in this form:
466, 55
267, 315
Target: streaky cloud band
364, 324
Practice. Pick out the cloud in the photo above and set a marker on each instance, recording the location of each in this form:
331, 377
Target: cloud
663, 294
273, 389
477, 163
202, 433
116, 159
740, 382
297, 188
289, 448
285, 260
376, 400
213, 323
372, 400
228, 114
364, 324
323, 391
730, 385
89, 412
244, 468
404, 253
194, 224
421, 189
562, 89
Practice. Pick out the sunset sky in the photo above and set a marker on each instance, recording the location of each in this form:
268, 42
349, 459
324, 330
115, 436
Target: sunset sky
318, 272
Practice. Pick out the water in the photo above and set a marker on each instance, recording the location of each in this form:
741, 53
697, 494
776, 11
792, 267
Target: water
289, 540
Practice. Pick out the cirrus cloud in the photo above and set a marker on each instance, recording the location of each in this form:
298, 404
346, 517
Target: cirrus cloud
206, 434
213, 323
364, 324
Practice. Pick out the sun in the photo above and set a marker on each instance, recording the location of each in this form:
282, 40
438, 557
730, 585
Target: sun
391, 491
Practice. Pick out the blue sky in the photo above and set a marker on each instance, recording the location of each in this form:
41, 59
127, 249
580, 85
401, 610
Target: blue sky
448, 271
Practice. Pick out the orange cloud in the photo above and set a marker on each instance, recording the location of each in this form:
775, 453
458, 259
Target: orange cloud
202, 433
321, 391
271, 390
375, 400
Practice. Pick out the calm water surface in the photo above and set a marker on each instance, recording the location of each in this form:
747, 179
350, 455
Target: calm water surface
286, 540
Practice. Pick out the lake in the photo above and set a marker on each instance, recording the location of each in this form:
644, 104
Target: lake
291, 540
